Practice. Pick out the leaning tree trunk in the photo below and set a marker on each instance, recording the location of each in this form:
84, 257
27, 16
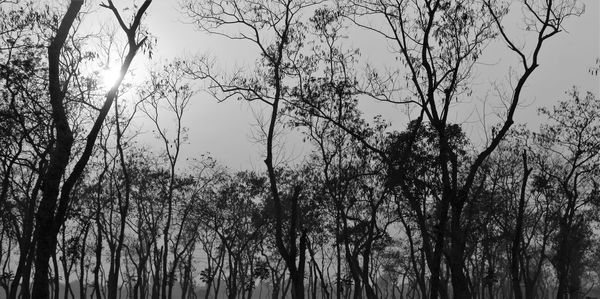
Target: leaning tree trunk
59, 159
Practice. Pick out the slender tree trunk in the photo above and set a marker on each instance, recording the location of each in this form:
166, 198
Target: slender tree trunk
82, 266
318, 273
338, 258
26, 245
65, 266
208, 288
165, 251
123, 202
171, 282
156, 276
276, 286
98, 255
562, 267
518, 235
139, 287
187, 277
24, 251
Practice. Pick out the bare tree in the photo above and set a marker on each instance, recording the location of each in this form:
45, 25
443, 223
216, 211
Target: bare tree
275, 29
569, 161
439, 42
168, 89
56, 196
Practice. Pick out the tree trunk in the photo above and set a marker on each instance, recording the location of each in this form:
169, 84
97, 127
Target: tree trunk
98, 255
436, 261
56, 278
156, 275
46, 228
26, 245
460, 283
518, 235
82, 268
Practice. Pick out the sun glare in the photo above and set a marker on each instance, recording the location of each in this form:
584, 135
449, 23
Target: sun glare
109, 77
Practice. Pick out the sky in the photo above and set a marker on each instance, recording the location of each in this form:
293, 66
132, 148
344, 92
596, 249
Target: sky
224, 129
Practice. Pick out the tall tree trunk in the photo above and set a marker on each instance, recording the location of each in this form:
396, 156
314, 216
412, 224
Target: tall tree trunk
338, 257
98, 255
518, 235
27, 245
156, 275
187, 277
82, 266
123, 202
46, 227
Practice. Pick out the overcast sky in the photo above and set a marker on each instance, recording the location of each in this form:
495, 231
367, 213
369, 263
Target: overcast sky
223, 129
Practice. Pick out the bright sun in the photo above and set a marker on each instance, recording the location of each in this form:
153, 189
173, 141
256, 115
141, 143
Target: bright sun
110, 77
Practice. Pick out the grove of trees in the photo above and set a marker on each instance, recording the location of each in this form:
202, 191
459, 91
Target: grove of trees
417, 206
